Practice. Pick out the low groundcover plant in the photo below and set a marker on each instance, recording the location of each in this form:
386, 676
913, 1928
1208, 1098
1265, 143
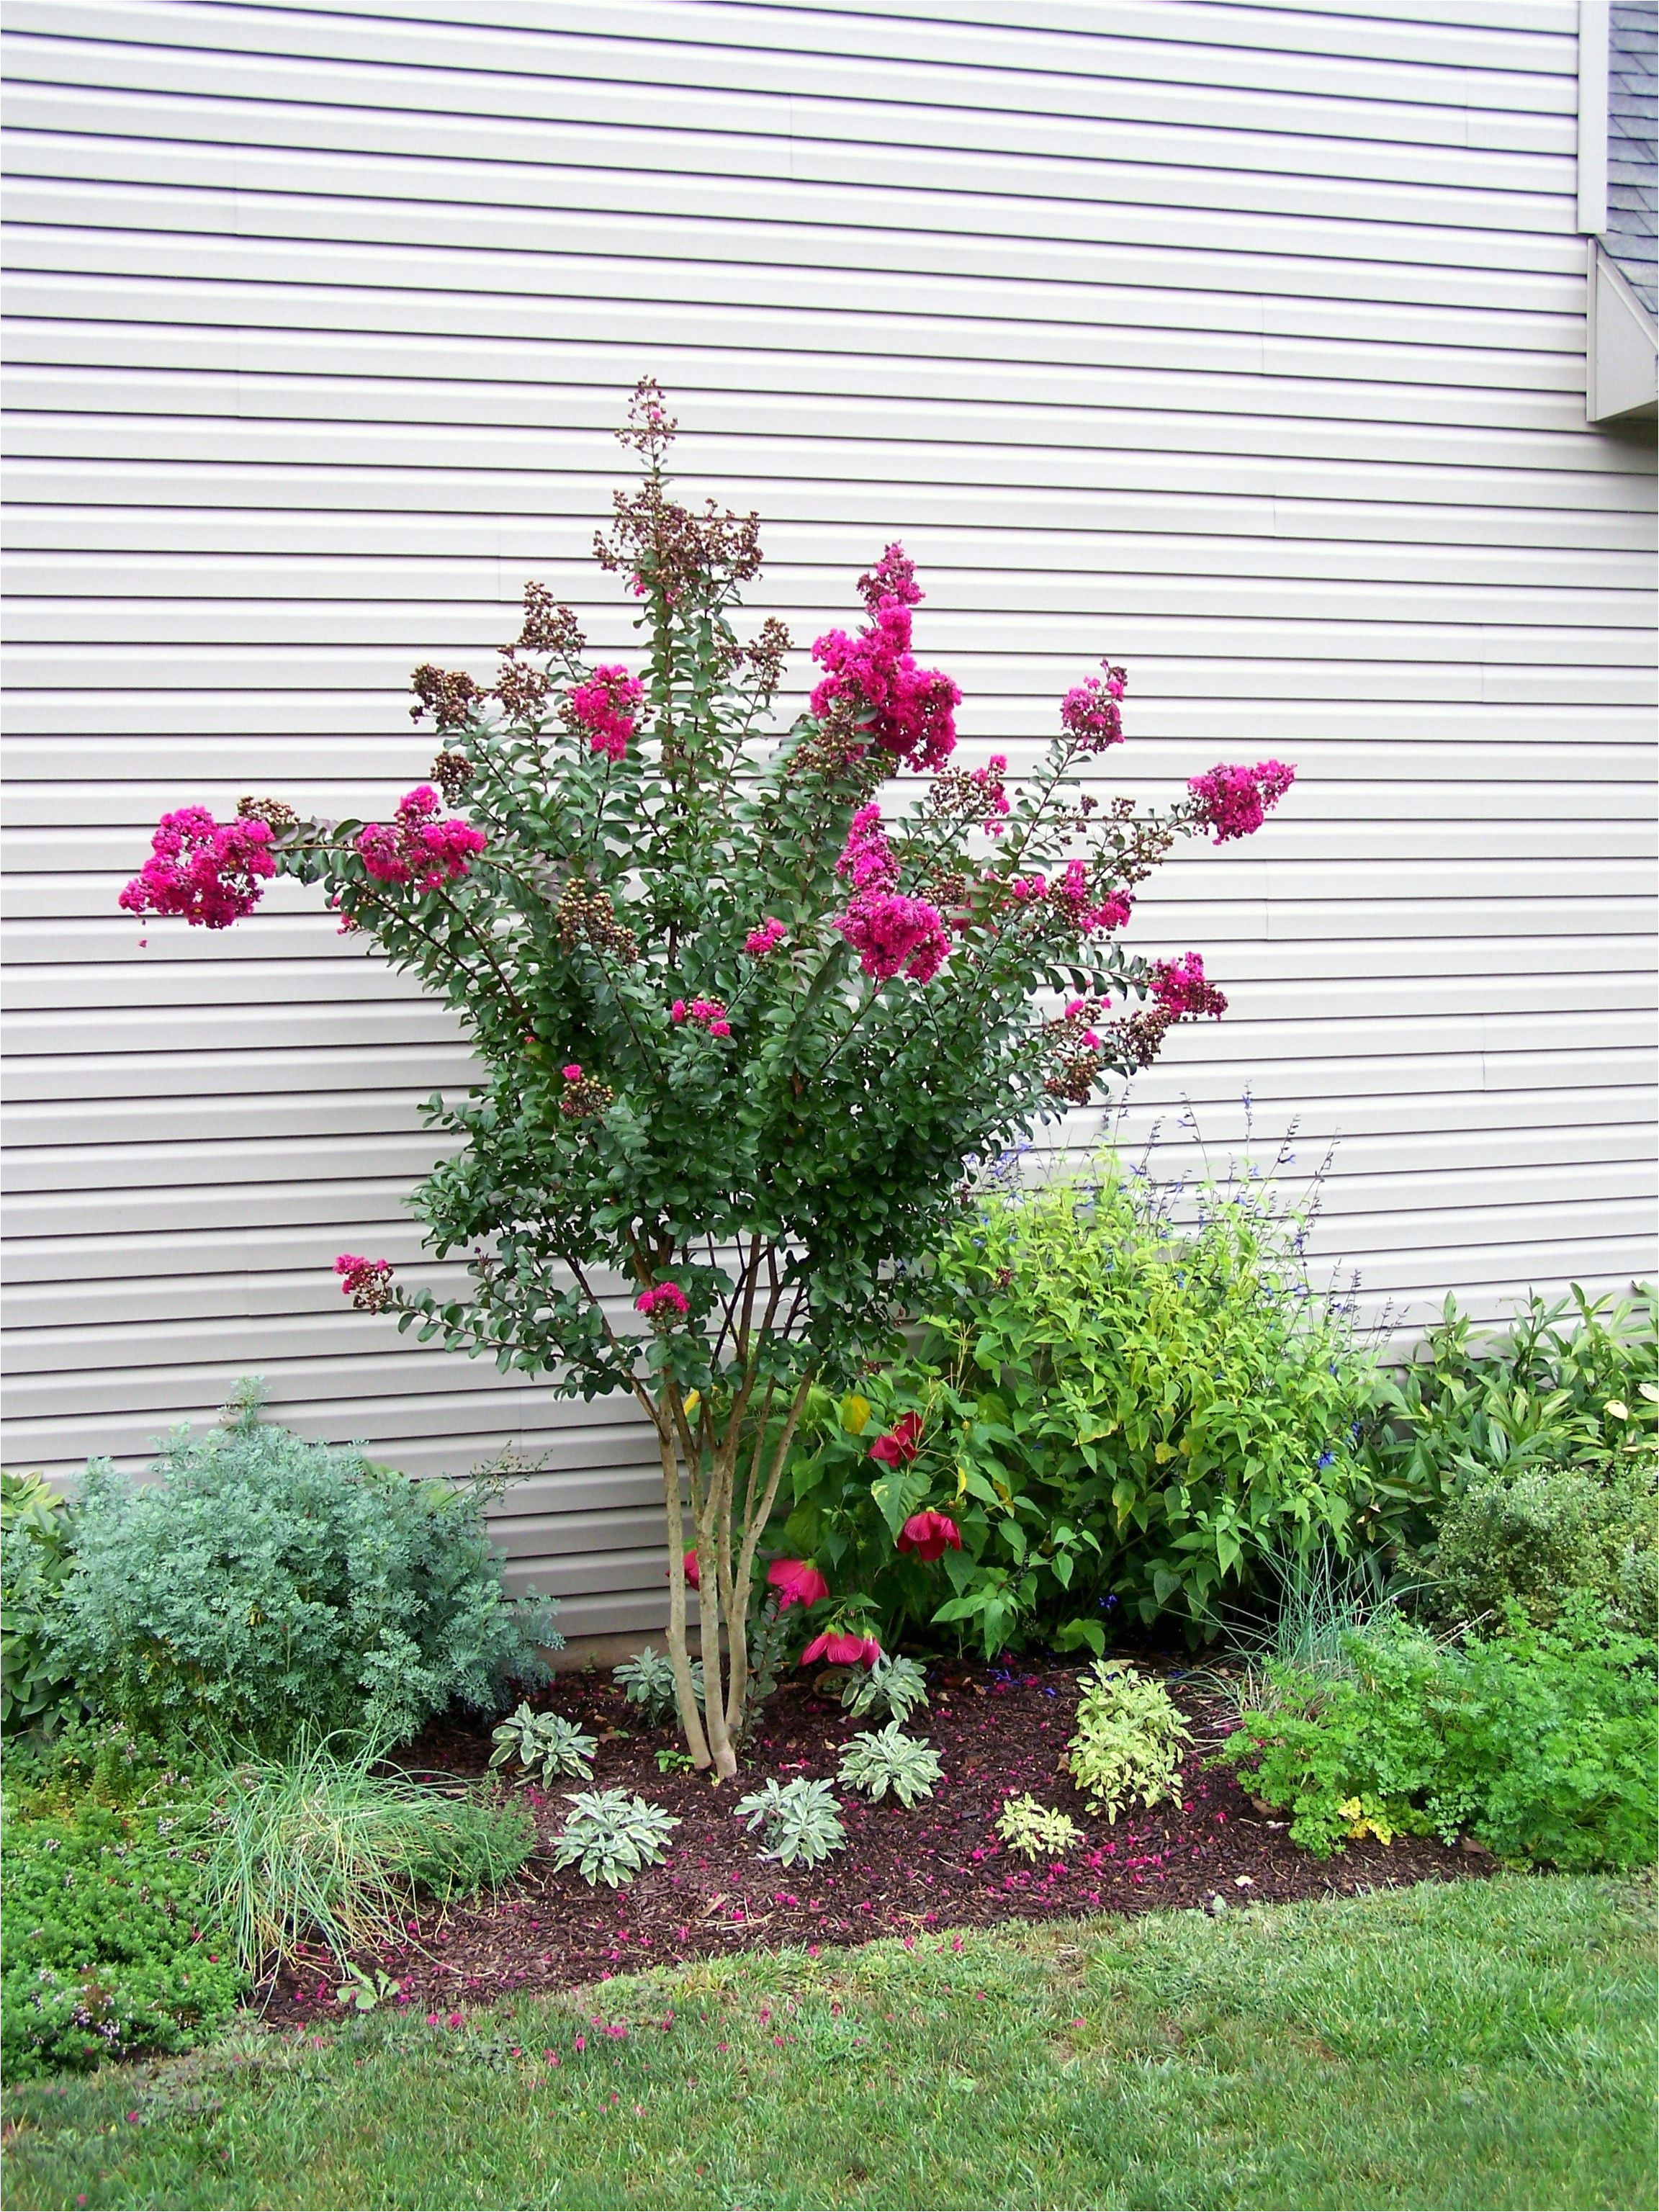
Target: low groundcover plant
742, 1018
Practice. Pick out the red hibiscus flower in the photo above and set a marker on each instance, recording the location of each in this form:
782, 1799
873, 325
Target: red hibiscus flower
691, 1574
901, 1444
843, 1648
928, 1534
796, 1583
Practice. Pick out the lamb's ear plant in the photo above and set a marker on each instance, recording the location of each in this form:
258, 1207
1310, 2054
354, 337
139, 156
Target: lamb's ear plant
738, 1032
647, 1680
610, 1836
547, 1741
895, 1687
801, 1820
879, 1759
1127, 1747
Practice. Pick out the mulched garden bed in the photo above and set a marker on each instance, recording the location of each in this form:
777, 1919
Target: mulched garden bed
999, 1731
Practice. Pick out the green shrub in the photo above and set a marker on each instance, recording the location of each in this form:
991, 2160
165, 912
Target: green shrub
1128, 1745
1569, 1385
266, 1585
319, 1845
37, 1685
1536, 1533
100, 1861
1539, 1741
1118, 1414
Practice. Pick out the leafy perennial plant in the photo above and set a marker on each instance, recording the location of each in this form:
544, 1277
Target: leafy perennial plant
740, 1021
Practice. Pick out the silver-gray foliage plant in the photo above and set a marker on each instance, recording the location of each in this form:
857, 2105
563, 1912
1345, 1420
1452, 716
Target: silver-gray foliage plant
610, 1836
895, 1687
879, 1760
266, 1585
547, 1741
801, 1820
647, 1680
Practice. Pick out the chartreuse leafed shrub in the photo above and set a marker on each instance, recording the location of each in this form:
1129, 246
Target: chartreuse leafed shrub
1129, 1740
1540, 1742
265, 1585
1112, 1414
317, 1844
738, 1027
37, 1685
110, 1943
1570, 1388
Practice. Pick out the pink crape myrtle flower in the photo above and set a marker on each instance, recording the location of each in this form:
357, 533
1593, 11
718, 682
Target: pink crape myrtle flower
929, 1535
797, 1582
418, 848
890, 933
989, 782
842, 1649
573, 1072
1090, 713
211, 872
912, 709
1179, 985
708, 1012
664, 1298
1234, 801
766, 939
604, 708
365, 1282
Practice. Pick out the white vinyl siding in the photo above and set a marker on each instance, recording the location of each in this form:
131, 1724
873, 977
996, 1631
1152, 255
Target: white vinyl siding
1244, 343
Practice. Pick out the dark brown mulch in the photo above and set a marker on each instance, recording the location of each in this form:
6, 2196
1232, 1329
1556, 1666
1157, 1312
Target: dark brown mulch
998, 1730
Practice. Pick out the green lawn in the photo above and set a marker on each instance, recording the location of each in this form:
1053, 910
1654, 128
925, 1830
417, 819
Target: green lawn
1487, 2044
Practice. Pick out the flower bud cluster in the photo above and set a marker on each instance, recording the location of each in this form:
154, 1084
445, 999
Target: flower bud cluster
583, 1095
521, 689
452, 772
277, 814
586, 917
1179, 985
449, 695
549, 628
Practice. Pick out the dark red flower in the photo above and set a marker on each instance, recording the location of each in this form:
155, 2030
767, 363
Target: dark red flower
901, 1444
797, 1582
930, 1534
691, 1574
842, 1649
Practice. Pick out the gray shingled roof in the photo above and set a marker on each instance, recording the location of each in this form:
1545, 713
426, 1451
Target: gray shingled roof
1633, 145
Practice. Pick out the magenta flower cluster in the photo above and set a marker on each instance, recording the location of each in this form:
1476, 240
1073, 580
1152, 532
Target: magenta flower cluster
419, 848
889, 932
605, 708
1091, 712
912, 709
766, 939
1234, 801
665, 1298
364, 1281
1179, 985
989, 780
708, 1012
211, 872
1073, 898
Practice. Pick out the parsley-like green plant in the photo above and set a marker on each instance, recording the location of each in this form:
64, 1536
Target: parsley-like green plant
801, 1820
38, 1690
547, 1741
878, 1759
1127, 1747
897, 1686
647, 1680
610, 1836
1036, 1832
741, 1007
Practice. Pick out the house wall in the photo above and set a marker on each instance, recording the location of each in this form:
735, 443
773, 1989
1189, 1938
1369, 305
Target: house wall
1244, 343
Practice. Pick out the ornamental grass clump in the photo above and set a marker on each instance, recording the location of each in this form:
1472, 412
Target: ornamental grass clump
879, 1759
742, 1008
801, 1820
1127, 1746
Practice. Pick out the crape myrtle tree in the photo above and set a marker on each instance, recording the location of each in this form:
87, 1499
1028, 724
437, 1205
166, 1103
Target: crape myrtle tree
744, 1015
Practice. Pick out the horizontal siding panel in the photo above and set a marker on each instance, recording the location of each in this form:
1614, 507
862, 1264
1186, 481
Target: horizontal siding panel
1244, 342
